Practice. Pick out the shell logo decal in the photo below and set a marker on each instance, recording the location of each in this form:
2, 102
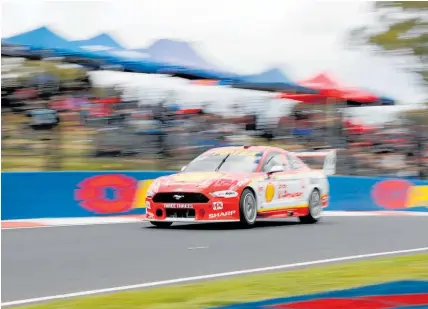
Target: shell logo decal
270, 192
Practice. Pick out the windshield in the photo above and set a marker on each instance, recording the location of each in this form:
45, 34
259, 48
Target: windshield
233, 162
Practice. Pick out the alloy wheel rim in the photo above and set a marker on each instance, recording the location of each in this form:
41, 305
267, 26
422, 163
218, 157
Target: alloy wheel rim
315, 205
250, 210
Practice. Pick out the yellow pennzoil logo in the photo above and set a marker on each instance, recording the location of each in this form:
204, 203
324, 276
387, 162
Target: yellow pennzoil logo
141, 194
417, 196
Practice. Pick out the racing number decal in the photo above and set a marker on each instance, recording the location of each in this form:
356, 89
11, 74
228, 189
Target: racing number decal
92, 195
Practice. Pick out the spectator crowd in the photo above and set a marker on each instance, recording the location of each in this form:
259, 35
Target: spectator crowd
47, 116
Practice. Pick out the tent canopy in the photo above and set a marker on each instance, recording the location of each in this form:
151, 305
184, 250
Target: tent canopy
104, 44
184, 61
112, 53
270, 76
43, 42
270, 80
330, 87
44, 39
179, 53
100, 40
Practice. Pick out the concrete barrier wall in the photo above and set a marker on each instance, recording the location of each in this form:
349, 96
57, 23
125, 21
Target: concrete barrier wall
29, 195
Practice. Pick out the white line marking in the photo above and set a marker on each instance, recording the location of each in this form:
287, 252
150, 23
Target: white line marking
211, 276
196, 248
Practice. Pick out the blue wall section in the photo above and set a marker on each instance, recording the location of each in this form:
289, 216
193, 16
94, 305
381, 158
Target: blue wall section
55, 194
357, 194
29, 195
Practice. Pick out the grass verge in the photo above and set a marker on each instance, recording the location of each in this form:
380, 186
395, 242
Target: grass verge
256, 287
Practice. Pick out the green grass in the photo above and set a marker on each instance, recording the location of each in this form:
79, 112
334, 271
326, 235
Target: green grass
256, 287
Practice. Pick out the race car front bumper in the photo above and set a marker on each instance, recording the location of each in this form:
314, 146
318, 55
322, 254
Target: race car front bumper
188, 220
215, 210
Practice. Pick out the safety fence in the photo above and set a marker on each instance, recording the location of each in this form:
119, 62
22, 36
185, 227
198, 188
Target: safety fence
29, 195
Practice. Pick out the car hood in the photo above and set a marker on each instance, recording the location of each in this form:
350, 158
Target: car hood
208, 181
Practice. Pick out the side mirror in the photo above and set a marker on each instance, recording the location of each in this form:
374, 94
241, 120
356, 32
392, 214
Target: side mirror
276, 169
183, 168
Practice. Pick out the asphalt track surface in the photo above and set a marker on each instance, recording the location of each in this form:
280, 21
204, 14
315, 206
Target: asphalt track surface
48, 261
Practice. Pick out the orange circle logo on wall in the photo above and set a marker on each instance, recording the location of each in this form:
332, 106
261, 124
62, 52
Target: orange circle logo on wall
270, 192
92, 193
391, 194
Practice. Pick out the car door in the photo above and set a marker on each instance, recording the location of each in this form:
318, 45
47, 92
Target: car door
296, 182
272, 184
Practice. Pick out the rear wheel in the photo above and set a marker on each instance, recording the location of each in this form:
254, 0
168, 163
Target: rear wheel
315, 208
161, 224
248, 208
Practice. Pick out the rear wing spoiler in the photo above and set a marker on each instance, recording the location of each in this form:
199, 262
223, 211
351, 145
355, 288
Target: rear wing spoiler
329, 165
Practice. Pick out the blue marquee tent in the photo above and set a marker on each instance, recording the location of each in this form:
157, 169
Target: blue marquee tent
99, 40
171, 57
46, 42
44, 39
185, 61
270, 80
274, 75
179, 53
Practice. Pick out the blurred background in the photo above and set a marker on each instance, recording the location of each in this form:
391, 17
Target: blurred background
152, 84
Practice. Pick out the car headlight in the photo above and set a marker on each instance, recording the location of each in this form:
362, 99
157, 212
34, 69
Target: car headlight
225, 193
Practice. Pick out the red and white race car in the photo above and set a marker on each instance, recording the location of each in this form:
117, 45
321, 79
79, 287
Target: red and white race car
242, 184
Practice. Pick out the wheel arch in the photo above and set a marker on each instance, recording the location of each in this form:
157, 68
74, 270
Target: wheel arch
249, 186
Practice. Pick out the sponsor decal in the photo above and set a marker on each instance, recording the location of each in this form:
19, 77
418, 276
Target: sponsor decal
113, 193
269, 192
221, 214
399, 194
178, 206
150, 215
148, 205
225, 194
285, 195
106, 194
218, 205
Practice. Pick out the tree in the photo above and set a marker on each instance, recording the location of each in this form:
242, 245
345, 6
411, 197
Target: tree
403, 32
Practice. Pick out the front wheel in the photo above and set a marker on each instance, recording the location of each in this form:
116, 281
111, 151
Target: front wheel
248, 208
161, 224
315, 208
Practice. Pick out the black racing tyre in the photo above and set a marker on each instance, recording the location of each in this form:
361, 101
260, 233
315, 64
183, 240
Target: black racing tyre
315, 208
248, 208
161, 224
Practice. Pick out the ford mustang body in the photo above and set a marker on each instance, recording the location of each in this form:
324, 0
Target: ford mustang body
242, 184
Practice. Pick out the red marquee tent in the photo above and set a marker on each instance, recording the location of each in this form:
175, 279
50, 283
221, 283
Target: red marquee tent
330, 88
